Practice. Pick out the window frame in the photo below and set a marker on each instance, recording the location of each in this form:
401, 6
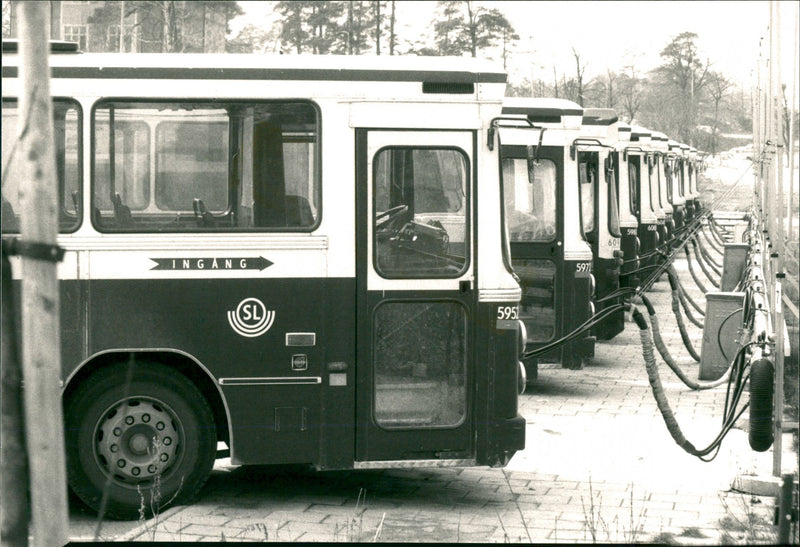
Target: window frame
466, 206
60, 193
552, 162
317, 174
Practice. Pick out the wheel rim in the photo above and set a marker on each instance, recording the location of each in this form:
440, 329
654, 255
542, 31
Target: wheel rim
137, 439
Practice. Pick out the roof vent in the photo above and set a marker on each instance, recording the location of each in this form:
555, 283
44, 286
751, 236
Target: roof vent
456, 88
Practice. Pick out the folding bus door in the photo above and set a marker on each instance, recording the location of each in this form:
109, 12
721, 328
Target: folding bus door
415, 296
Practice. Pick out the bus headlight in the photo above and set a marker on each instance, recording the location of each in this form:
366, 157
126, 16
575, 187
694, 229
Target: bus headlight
522, 379
637, 245
591, 285
591, 309
523, 337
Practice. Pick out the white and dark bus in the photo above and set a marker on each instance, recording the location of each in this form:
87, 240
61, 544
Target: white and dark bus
548, 221
301, 258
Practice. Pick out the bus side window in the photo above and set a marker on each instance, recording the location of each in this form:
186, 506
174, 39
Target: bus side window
269, 186
66, 123
222, 167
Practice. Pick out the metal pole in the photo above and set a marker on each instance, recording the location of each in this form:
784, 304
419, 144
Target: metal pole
122, 26
785, 510
789, 208
41, 340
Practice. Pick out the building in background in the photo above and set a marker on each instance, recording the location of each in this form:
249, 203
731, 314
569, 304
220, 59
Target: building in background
136, 26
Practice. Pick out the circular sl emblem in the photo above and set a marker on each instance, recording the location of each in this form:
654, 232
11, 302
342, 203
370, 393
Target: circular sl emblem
251, 318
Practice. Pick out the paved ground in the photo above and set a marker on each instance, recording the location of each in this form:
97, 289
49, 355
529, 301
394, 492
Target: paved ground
599, 465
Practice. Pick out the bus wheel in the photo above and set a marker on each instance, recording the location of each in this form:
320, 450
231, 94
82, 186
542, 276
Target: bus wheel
138, 447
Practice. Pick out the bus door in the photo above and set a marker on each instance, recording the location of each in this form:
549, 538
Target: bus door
416, 297
638, 176
532, 206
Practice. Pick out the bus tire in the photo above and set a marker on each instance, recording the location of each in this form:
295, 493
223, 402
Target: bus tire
146, 445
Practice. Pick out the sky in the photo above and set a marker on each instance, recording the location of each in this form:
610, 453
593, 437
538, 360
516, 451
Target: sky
612, 34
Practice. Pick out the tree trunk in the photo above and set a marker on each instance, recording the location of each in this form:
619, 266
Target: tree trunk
377, 27
14, 496
391, 31
41, 340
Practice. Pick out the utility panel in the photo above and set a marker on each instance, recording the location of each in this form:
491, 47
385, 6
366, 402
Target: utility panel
721, 333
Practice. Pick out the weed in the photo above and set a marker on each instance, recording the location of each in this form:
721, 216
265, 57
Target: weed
692, 532
595, 522
746, 524
516, 503
665, 538
154, 503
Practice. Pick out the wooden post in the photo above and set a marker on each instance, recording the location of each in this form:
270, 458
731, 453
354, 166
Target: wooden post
41, 340
16, 512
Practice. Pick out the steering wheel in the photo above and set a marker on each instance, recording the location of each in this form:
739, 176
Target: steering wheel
390, 215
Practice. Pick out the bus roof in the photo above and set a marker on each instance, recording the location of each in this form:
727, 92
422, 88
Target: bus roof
599, 116
544, 110
233, 66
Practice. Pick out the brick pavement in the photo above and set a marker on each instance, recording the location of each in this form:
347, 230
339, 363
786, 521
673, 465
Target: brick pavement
599, 465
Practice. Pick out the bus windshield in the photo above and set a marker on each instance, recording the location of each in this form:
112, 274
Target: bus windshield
530, 207
587, 175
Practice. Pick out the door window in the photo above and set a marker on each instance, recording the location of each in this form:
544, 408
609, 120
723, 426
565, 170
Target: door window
587, 175
538, 304
633, 184
420, 212
612, 183
420, 364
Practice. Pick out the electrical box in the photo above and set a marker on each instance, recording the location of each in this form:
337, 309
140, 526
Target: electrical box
734, 262
721, 331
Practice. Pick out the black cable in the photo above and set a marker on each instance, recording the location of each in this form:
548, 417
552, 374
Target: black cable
583, 327
719, 331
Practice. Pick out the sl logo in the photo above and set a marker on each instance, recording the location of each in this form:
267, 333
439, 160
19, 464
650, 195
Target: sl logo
251, 318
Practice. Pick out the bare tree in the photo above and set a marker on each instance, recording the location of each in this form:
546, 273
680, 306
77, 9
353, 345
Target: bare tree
718, 86
685, 76
392, 36
579, 72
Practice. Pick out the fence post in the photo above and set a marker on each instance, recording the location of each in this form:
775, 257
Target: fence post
41, 341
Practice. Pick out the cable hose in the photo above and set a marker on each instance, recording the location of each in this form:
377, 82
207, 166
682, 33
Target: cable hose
658, 390
703, 266
714, 233
716, 228
583, 327
687, 310
665, 354
622, 291
707, 255
712, 243
686, 294
691, 271
661, 400
761, 392
679, 319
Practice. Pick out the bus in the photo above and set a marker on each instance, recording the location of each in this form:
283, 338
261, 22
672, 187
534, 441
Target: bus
549, 250
659, 142
638, 156
692, 164
598, 165
628, 206
673, 166
280, 259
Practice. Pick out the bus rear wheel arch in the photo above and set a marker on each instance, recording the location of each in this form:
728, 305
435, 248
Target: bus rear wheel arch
136, 438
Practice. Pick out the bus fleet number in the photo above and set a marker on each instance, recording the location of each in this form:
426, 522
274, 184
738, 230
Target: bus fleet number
507, 312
